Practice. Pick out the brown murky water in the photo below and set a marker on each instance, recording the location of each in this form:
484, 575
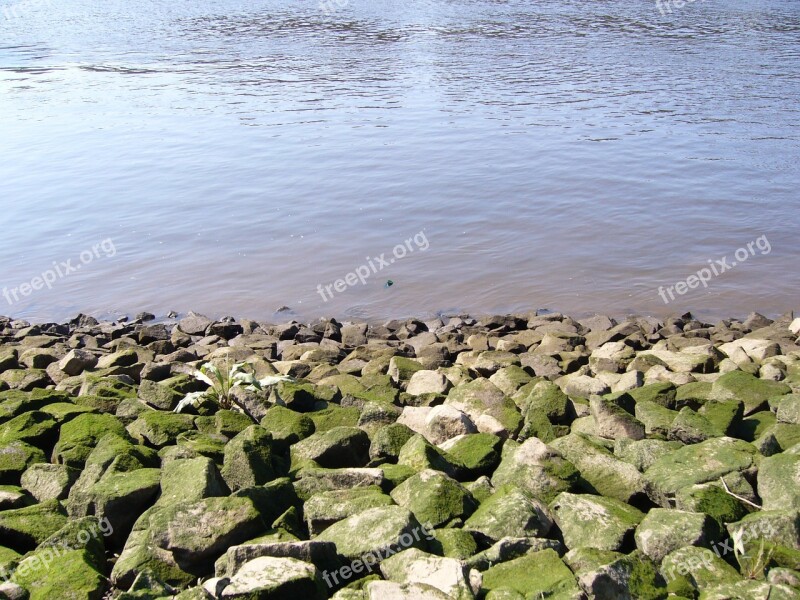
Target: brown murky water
237, 156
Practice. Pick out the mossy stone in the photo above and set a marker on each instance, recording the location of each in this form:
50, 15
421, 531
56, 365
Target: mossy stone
160, 429
434, 498
478, 452
700, 566
510, 512
203, 444
594, 521
725, 415
65, 411
419, 454
23, 529
712, 500
34, 427
249, 459
754, 426
662, 393
287, 426
693, 394
388, 441
15, 458
534, 575
374, 530
334, 416
453, 543
600, 470
750, 390
336, 448
81, 434
323, 509
699, 463
71, 576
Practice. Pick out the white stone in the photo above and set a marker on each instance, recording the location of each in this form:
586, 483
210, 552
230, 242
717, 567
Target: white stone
449, 575
267, 572
444, 422
795, 326
427, 382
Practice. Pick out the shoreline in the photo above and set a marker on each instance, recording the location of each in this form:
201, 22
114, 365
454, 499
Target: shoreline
440, 458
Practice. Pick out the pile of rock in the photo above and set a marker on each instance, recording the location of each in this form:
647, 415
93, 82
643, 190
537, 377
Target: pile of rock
509, 457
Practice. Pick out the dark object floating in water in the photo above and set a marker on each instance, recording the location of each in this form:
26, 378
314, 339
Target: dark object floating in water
283, 309
389, 283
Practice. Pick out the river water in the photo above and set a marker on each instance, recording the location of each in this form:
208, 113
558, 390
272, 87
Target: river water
236, 156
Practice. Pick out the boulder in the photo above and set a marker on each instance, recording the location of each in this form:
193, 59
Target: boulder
594, 521
434, 498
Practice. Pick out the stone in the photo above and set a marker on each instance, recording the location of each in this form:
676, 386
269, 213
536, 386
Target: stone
249, 460
23, 529
663, 531
700, 566
70, 574
401, 369
481, 398
536, 468
434, 498
510, 513
25, 379
286, 426
49, 482
339, 447
582, 386
698, 463
605, 473
614, 422
779, 482
375, 531
788, 409
444, 422
159, 428
76, 361
34, 427
80, 435
594, 521
611, 356
197, 534
535, 575
752, 391
272, 577
194, 324
418, 454
691, 427
449, 575
119, 498
388, 441
712, 500
478, 452
320, 554
643, 453
323, 509
428, 382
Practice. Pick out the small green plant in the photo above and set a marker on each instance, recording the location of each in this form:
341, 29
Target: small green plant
753, 567
222, 382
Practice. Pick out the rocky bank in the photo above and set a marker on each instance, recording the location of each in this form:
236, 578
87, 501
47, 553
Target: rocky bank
509, 457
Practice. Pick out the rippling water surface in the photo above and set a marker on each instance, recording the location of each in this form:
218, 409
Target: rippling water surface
563, 154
